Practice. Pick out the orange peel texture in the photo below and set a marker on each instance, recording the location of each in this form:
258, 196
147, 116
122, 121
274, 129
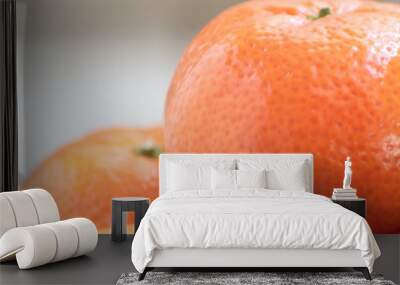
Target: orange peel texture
273, 77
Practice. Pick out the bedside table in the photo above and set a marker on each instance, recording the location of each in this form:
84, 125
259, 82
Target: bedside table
358, 205
120, 206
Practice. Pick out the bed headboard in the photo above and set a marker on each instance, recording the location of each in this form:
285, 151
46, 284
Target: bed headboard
307, 157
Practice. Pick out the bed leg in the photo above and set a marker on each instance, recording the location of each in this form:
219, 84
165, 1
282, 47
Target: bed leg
364, 271
143, 274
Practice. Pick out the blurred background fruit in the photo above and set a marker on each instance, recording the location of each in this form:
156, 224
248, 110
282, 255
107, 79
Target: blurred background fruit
85, 175
299, 76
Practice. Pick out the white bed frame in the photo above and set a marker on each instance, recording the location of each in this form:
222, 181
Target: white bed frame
245, 258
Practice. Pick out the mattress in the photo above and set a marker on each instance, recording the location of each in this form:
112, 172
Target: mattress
250, 219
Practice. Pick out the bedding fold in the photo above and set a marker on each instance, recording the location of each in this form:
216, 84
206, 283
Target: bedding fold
251, 218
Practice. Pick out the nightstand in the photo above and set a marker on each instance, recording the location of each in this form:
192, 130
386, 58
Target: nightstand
358, 205
120, 206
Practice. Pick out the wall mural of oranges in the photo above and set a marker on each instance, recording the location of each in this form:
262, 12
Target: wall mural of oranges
263, 76
85, 175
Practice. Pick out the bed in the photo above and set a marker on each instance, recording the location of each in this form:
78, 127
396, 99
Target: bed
245, 211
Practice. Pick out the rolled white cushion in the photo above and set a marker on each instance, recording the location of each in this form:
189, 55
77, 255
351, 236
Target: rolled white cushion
7, 218
33, 246
87, 234
41, 244
23, 208
46, 207
67, 240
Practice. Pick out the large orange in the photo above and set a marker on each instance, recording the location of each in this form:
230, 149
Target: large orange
85, 175
272, 76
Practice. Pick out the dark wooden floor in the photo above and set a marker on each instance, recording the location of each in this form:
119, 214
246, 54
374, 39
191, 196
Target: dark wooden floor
110, 260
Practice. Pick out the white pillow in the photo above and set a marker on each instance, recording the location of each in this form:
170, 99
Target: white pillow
251, 178
185, 177
281, 174
226, 179
223, 179
184, 174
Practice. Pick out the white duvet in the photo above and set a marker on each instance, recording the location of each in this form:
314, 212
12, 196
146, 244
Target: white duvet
250, 219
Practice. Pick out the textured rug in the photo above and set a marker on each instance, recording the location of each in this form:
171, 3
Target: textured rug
269, 278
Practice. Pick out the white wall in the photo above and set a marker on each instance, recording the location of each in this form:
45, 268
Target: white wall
90, 64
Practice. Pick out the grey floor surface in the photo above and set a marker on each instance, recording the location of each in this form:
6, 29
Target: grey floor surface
110, 260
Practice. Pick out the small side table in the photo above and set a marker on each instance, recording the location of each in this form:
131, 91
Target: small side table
358, 205
120, 206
